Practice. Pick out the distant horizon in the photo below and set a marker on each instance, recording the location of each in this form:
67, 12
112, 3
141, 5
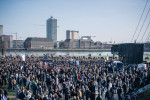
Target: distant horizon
107, 20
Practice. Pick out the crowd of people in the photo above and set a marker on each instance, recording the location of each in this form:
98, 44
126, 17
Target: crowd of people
68, 78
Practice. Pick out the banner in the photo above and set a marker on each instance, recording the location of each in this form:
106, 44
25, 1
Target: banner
23, 57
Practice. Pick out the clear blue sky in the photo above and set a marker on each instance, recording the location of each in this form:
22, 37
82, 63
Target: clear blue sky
114, 20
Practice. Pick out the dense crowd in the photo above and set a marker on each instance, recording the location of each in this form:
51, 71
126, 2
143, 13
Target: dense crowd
69, 78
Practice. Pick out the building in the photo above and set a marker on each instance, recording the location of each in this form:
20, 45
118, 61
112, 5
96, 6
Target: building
38, 43
52, 29
106, 45
86, 42
71, 34
71, 44
6, 41
61, 44
1, 29
98, 45
18, 43
58, 44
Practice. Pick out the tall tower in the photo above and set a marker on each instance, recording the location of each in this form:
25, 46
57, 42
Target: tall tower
52, 29
1, 29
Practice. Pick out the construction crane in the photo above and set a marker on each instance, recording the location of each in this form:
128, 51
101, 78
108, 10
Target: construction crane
42, 25
39, 25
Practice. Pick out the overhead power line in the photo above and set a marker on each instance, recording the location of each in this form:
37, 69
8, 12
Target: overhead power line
42, 25
139, 21
143, 24
145, 31
147, 39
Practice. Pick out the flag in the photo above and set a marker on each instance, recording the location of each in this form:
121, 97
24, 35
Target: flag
41, 63
46, 63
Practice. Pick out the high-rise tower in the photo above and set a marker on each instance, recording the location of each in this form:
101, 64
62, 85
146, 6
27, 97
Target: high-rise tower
52, 29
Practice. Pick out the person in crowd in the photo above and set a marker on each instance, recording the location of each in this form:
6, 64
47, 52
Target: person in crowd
68, 78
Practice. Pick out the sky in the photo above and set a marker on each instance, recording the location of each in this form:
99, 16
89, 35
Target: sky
108, 20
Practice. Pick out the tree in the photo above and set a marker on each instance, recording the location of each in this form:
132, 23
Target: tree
3, 47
